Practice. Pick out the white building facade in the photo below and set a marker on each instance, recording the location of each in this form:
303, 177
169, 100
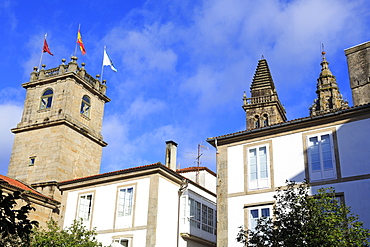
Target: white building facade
142, 206
328, 149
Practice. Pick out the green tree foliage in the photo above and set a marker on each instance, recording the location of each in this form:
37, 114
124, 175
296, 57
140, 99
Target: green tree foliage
53, 236
303, 220
15, 227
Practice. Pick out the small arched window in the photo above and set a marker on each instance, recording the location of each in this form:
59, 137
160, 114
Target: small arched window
256, 121
265, 120
85, 106
46, 99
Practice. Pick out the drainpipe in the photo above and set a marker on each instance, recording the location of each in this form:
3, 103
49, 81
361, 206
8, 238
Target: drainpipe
182, 189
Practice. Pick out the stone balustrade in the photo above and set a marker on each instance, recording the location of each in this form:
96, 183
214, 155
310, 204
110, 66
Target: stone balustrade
257, 100
66, 68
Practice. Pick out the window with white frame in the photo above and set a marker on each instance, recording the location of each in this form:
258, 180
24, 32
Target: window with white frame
258, 167
202, 216
122, 242
85, 207
257, 212
321, 161
207, 219
195, 209
125, 207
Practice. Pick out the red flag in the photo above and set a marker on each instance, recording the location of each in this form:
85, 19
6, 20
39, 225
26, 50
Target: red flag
46, 48
79, 41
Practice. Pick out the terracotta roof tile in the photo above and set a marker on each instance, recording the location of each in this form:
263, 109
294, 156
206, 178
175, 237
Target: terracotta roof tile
111, 173
20, 185
194, 169
137, 168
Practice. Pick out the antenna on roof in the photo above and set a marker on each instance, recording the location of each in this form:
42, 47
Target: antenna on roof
262, 57
200, 148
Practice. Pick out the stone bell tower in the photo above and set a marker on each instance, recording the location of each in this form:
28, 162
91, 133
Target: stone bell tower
328, 98
58, 137
264, 107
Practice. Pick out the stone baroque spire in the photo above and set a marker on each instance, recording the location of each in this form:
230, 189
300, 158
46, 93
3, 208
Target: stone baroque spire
328, 98
264, 107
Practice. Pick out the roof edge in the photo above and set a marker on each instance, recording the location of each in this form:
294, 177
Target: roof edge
213, 140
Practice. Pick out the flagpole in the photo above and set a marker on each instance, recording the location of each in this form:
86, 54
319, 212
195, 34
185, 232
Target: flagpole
42, 51
102, 65
79, 26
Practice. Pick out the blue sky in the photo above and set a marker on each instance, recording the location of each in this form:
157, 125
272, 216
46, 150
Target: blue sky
182, 65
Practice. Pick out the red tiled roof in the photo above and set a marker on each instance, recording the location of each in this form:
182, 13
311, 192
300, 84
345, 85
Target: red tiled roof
19, 185
194, 169
111, 173
158, 164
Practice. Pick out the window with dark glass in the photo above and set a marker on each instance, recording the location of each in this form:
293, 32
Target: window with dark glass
256, 121
265, 120
46, 99
256, 213
32, 161
85, 106
123, 242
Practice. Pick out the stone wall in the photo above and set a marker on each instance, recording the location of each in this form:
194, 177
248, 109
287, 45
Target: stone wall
61, 153
67, 98
64, 143
358, 60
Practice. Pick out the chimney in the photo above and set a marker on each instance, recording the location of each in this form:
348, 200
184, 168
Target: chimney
171, 154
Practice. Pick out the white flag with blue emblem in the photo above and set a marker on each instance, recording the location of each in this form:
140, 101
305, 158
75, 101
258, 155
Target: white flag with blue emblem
108, 62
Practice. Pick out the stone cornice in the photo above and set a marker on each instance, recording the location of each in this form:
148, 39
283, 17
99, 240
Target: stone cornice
68, 122
357, 48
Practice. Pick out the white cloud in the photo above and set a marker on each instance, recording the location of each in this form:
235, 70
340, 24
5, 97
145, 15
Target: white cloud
140, 108
11, 96
128, 150
143, 49
10, 115
216, 51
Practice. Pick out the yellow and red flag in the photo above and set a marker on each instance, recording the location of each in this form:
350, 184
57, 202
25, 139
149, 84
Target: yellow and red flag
81, 44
